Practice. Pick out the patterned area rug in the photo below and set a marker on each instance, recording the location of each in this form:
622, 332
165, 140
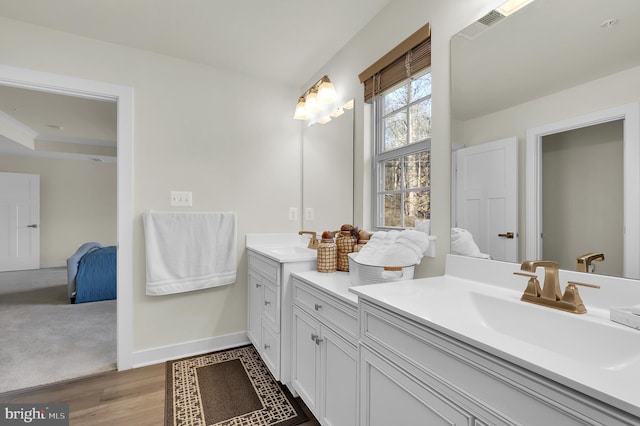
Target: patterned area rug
231, 387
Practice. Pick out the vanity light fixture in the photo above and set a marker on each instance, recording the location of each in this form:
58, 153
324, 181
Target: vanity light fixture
322, 92
512, 6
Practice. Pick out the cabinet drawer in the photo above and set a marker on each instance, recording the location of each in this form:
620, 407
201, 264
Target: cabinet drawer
271, 308
266, 267
332, 310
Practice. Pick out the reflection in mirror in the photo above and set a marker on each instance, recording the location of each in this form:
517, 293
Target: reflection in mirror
327, 174
582, 183
548, 63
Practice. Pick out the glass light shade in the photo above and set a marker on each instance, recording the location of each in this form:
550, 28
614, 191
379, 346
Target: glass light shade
326, 91
324, 120
312, 101
337, 112
301, 111
348, 105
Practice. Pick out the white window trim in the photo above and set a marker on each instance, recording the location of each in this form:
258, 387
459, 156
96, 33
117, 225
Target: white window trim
378, 156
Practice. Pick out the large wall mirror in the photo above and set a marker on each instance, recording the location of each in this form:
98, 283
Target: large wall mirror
558, 81
327, 174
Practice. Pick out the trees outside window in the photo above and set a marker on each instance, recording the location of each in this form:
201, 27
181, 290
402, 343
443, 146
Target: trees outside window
402, 153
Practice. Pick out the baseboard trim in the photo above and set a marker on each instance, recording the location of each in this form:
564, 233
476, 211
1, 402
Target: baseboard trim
55, 264
181, 350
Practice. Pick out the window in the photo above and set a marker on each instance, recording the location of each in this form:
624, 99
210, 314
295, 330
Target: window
402, 153
399, 86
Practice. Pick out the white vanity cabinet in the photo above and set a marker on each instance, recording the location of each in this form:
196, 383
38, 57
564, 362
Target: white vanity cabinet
325, 354
269, 309
413, 374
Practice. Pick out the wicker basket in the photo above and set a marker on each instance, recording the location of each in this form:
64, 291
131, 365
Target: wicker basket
345, 243
327, 256
361, 274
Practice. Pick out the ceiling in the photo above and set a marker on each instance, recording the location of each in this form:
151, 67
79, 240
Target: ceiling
546, 47
285, 41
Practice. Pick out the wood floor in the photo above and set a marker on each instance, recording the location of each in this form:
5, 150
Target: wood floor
132, 397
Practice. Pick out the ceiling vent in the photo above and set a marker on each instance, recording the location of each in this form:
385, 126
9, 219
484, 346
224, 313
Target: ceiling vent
482, 24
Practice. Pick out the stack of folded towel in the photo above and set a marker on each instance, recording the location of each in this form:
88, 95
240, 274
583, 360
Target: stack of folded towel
394, 248
462, 243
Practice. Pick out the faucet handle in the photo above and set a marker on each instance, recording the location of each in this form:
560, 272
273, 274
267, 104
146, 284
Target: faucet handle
533, 286
571, 295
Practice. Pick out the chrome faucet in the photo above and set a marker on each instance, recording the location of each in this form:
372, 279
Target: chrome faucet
583, 263
313, 242
551, 294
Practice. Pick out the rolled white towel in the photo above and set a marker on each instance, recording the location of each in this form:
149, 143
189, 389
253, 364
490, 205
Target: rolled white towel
407, 249
372, 253
462, 243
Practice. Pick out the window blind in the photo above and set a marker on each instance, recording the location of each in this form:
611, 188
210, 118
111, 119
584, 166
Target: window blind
400, 63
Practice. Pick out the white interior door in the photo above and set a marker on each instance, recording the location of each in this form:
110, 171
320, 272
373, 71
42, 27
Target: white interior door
19, 221
487, 196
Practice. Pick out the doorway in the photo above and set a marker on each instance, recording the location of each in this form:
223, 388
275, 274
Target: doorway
629, 114
123, 96
582, 196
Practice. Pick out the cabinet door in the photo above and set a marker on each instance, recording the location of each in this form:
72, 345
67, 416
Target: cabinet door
254, 310
339, 379
389, 396
270, 349
305, 362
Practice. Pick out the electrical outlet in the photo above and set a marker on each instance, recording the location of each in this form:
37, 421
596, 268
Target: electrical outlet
293, 213
309, 213
181, 199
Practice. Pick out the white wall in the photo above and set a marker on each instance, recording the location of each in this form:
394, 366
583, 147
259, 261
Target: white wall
607, 92
195, 131
77, 203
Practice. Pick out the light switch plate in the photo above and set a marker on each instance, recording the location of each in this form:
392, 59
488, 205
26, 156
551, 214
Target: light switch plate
293, 213
309, 214
181, 199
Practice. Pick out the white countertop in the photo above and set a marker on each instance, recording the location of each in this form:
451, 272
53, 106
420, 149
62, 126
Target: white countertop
282, 247
604, 366
338, 283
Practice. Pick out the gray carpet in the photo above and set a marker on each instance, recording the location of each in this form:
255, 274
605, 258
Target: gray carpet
43, 338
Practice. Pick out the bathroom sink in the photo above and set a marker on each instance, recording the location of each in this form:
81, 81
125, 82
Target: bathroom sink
292, 250
582, 338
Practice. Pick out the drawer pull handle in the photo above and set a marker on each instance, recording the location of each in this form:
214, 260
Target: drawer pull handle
267, 347
318, 341
317, 307
258, 285
267, 303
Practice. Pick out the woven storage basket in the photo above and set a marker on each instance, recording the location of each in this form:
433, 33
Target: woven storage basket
361, 274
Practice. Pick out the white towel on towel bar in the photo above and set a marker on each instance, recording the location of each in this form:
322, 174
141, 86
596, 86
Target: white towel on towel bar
188, 251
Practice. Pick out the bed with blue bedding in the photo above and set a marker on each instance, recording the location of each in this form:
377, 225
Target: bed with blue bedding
92, 273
